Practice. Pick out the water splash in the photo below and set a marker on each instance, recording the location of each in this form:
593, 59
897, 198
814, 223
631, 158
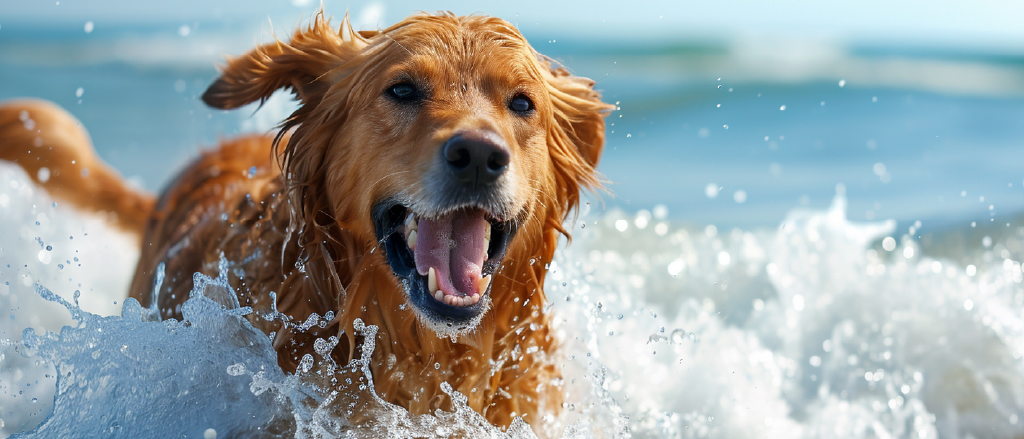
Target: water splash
804, 331
115, 375
812, 330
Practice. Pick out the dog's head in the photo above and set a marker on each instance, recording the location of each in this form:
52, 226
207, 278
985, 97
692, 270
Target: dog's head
440, 140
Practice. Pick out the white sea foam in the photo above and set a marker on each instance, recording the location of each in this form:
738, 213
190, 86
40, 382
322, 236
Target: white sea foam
66, 251
805, 331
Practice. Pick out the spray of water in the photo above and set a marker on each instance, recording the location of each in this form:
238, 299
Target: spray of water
804, 331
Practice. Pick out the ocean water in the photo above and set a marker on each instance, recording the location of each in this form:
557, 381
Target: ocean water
847, 266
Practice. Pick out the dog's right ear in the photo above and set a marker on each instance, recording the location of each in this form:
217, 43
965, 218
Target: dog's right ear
303, 65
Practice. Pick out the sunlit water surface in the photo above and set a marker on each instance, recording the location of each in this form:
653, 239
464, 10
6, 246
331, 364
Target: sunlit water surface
806, 330
722, 294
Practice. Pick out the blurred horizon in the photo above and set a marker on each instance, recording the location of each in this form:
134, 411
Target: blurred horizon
915, 107
988, 25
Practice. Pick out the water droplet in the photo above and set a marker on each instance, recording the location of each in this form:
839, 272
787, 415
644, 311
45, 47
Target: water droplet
237, 369
306, 363
678, 336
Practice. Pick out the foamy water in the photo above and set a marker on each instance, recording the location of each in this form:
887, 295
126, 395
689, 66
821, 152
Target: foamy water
808, 330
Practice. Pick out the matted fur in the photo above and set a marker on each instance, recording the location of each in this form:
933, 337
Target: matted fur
300, 228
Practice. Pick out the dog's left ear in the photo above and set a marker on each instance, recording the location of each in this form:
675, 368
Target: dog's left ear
303, 65
579, 110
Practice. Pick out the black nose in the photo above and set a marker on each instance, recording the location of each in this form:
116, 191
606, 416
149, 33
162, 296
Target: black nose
476, 158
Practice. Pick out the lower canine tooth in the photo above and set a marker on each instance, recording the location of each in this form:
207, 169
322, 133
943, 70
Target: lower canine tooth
411, 240
432, 281
439, 296
411, 223
481, 285
474, 299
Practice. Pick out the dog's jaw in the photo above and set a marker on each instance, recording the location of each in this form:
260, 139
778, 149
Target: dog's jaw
449, 290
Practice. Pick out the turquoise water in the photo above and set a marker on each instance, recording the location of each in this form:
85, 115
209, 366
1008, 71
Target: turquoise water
848, 266
945, 127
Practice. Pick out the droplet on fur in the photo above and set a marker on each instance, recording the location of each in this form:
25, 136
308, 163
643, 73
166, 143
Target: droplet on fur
236, 369
306, 363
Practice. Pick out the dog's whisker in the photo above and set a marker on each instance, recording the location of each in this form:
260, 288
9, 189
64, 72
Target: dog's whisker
387, 176
396, 42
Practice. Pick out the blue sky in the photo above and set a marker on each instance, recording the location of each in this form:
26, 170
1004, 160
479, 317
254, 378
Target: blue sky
985, 23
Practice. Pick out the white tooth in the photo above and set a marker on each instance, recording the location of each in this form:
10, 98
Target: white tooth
411, 240
487, 239
439, 296
475, 299
411, 223
450, 300
482, 283
432, 281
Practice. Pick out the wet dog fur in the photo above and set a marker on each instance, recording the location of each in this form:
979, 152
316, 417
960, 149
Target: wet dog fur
307, 217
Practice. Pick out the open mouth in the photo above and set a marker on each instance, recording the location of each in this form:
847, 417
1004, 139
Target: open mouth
446, 263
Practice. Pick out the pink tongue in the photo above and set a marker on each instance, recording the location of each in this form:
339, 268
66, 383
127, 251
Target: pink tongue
454, 246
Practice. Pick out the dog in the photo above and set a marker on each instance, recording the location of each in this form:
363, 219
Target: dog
421, 186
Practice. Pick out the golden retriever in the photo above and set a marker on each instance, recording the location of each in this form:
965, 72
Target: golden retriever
421, 187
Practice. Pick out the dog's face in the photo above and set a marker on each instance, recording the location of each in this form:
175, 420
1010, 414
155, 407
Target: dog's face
440, 138
451, 132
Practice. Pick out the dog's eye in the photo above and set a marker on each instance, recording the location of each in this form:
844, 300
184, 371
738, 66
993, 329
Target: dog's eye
404, 91
521, 104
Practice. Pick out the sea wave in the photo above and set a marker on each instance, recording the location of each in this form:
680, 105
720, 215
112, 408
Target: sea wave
808, 330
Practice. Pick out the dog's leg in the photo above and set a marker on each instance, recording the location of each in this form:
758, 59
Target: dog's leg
55, 151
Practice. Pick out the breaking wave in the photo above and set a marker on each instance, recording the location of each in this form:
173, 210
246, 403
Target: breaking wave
809, 330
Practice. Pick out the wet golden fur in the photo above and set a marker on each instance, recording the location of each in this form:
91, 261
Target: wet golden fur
300, 227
